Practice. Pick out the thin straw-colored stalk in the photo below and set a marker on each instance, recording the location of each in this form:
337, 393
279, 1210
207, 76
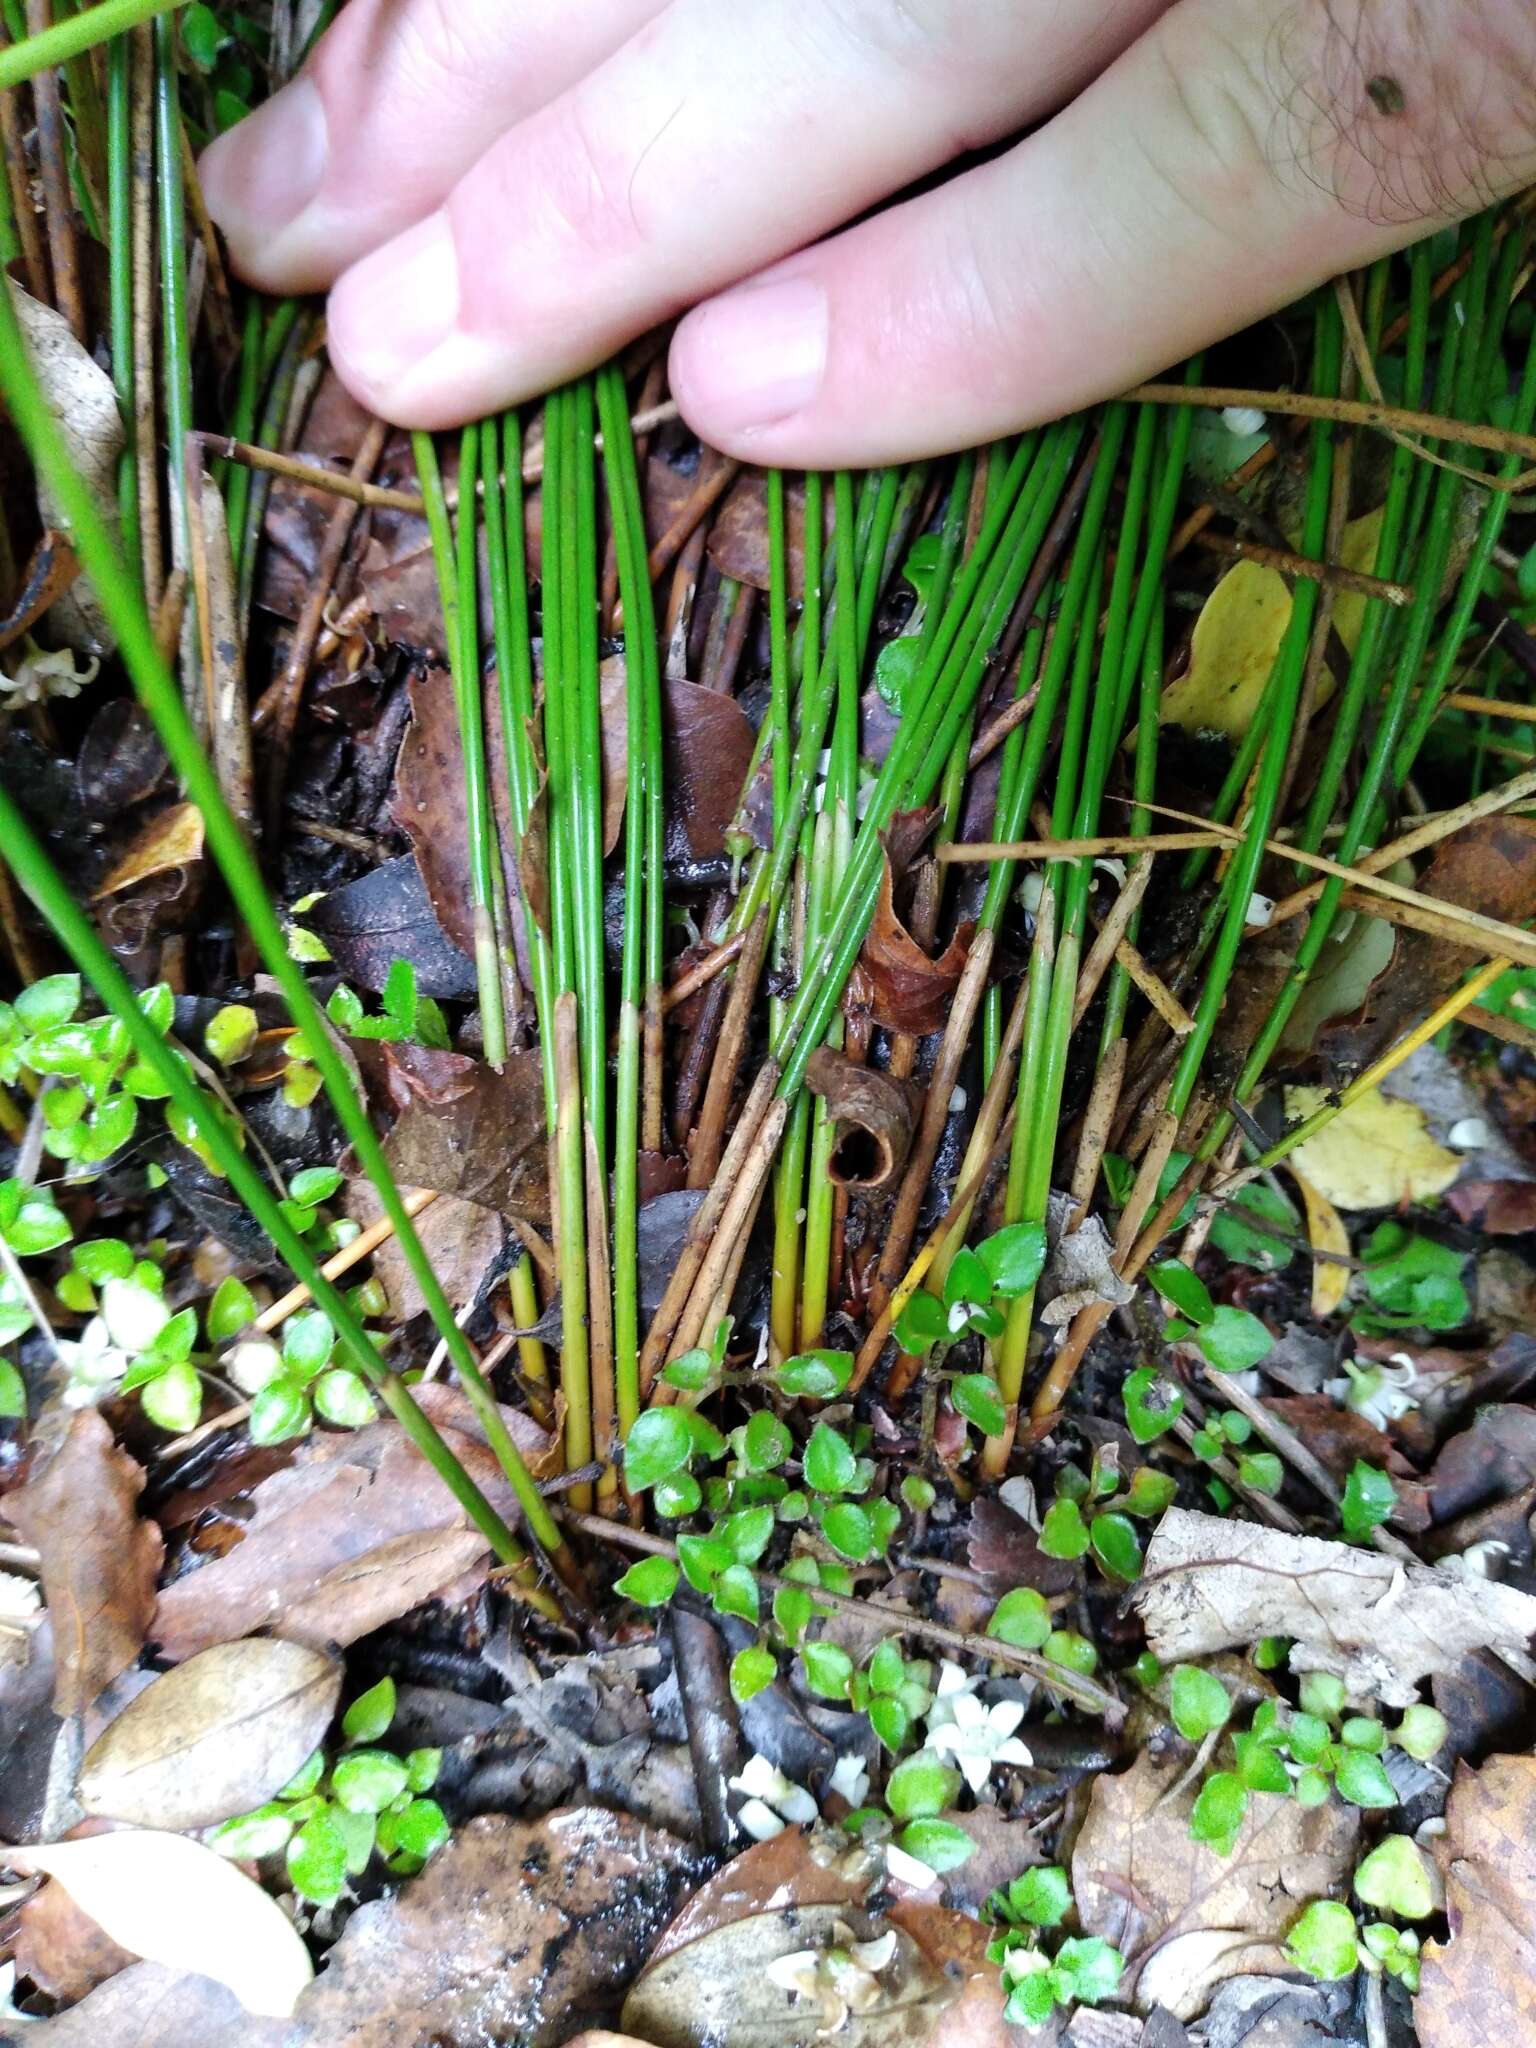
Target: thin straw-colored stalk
455, 560
52, 897
157, 691
80, 32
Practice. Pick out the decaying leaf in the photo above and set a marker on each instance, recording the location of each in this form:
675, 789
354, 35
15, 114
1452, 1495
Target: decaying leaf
1231, 653
1079, 1268
51, 571
1489, 866
314, 1560
1182, 1916
709, 750
1480, 1986
172, 839
515, 1931
1374, 1154
99, 1560
173, 1901
874, 1113
384, 916
717, 1990
149, 2006
215, 1737
1325, 1233
894, 979
20, 1606
62, 1949
84, 406
1358, 547
463, 1240
1381, 1626
470, 1131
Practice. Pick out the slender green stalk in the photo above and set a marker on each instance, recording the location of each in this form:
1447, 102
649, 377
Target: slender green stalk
643, 772
67, 39
157, 692
457, 575
47, 889
120, 261
234, 478
176, 340
281, 354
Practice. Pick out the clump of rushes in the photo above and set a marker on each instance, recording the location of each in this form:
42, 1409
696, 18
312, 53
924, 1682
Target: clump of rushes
41, 882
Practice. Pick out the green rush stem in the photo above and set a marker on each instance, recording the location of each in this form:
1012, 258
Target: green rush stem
80, 32
120, 279
643, 769
1087, 755
942, 692
455, 560
176, 339
1282, 692
871, 575
281, 355
1394, 748
587, 779
234, 478
47, 889
832, 846
1143, 784
157, 691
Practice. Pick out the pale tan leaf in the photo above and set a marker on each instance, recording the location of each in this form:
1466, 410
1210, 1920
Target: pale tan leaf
172, 1901
215, 1737
1231, 653
1375, 1154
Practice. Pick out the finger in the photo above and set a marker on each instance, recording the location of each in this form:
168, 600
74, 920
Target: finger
1216, 172
694, 154
400, 97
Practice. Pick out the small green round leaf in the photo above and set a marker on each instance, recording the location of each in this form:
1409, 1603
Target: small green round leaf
13, 1392
370, 1713
766, 1443
1362, 1778
1324, 1941
827, 1670
650, 1582
921, 1786
173, 1400
938, 1843
976, 1397
1152, 1404
368, 1779
1064, 1533
1233, 1340
1397, 1877
1188, 1293
1197, 1701
254, 1835
1116, 1545
1219, 1811
341, 1397
848, 1529
279, 1410
830, 1465
659, 1443
752, 1669
1021, 1618
1015, 1257
232, 1307
317, 1860
1422, 1732
815, 1375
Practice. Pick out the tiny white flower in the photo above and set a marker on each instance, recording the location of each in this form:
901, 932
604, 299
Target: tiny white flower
797, 1806
134, 1314
874, 1955
979, 1737
1031, 889
93, 1363
760, 1779
959, 1315
770, 1800
1468, 1134
1024, 1962
795, 1972
1018, 1494
957, 1101
907, 1870
1261, 910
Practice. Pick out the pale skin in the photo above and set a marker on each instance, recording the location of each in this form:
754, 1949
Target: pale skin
498, 194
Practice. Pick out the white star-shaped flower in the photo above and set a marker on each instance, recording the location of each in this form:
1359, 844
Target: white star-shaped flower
979, 1736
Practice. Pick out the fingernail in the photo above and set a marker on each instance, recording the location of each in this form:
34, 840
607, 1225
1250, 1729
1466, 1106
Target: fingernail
393, 310
757, 354
263, 173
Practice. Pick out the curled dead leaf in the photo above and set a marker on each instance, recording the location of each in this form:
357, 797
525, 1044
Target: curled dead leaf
80, 395
894, 980
172, 839
874, 1113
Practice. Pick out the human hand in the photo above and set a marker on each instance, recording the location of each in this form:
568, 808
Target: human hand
500, 193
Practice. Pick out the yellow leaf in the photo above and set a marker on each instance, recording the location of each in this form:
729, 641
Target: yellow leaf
1231, 653
1373, 1155
171, 839
1357, 550
1325, 1233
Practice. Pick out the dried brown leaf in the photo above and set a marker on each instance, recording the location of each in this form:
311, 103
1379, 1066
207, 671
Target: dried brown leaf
1480, 1986
62, 1949
515, 1931
470, 1131
100, 1561
1381, 1626
316, 1532
149, 2006
1182, 1916
709, 744
172, 839
900, 986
